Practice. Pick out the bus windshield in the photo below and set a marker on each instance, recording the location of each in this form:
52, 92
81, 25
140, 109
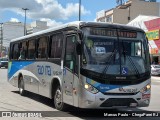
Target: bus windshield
112, 56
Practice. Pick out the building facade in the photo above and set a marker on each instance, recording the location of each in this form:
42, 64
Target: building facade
12, 30
151, 25
126, 12
153, 35
36, 26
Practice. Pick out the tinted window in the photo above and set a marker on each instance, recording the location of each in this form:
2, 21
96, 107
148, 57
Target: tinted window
15, 51
23, 50
70, 58
42, 47
31, 49
56, 46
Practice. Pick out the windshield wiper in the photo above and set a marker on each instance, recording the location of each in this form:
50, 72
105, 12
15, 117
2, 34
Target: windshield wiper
110, 57
130, 60
124, 52
134, 66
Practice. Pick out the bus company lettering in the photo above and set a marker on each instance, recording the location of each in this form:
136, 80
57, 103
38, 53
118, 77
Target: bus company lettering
44, 70
57, 72
104, 88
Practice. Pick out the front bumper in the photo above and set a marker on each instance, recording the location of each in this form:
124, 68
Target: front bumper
101, 101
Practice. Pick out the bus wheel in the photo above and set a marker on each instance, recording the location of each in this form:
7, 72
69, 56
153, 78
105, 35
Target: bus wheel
21, 86
59, 105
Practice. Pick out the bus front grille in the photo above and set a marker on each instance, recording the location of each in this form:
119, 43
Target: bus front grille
107, 93
118, 102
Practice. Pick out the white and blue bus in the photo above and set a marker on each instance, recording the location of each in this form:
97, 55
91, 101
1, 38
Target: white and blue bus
84, 64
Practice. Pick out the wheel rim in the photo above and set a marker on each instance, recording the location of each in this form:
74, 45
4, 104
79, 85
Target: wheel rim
58, 98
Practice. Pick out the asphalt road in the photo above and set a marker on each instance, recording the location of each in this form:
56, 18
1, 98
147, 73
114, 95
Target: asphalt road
10, 100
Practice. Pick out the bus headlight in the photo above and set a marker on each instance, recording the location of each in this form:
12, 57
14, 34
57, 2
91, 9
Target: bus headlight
145, 89
90, 88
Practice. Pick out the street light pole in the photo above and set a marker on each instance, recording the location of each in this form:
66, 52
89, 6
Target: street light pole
79, 10
1, 29
25, 9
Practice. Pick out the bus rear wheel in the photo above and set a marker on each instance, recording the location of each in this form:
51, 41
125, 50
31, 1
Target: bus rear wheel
58, 102
21, 86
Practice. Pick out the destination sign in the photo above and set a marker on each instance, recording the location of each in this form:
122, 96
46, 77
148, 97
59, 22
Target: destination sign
113, 33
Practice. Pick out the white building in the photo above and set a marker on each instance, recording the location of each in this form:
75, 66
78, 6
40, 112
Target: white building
13, 30
36, 26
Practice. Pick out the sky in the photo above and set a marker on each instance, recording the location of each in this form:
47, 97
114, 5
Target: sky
55, 12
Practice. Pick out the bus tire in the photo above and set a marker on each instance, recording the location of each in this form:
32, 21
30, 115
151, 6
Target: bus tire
21, 86
58, 102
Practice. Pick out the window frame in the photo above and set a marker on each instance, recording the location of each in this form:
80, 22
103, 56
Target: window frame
25, 49
51, 42
75, 62
12, 51
37, 47
27, 57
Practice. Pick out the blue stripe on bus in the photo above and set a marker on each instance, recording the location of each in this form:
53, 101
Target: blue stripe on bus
102, 87
13, 67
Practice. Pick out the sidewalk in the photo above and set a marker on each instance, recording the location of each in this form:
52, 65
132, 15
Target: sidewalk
155, 77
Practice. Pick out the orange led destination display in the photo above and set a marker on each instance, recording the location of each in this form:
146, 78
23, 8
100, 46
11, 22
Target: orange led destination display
112, 33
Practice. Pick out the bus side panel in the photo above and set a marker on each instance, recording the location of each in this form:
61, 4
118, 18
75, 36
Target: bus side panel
30, 78
76, 90
37, 76
14, 68
13, 81
27, 70
47, 71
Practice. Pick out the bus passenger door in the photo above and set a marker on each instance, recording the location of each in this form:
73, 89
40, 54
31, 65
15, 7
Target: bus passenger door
69, 66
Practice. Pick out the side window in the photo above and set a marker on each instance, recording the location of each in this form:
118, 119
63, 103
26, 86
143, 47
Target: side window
70, 57
31, 49
11, 51
42, 47
56, 46
137, 49
15, 51
23, 50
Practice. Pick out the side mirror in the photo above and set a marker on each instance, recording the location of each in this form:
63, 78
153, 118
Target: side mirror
80, 33
78, 49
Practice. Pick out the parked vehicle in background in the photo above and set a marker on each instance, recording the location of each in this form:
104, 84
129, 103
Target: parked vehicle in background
155, 69
4, 62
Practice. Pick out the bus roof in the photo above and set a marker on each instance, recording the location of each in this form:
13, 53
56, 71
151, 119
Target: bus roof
77, 24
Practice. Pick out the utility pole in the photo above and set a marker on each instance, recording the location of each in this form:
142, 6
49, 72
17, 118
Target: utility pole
25, 9
1, 35
79, 10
